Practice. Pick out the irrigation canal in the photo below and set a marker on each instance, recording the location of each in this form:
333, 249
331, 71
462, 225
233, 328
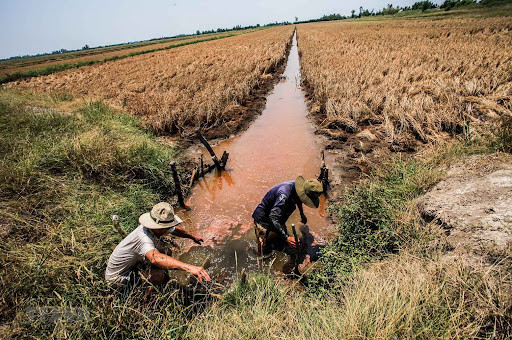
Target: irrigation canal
278, 146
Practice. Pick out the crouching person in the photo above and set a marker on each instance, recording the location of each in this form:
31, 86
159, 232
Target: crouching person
143, 251
276, 207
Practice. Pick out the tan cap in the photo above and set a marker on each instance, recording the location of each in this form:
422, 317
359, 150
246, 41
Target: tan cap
309, 191
161, 217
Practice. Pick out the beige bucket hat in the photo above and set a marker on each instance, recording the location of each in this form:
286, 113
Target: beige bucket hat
161, 217
309, 191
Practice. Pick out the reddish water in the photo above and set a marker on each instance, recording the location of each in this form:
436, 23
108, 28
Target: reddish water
277, 147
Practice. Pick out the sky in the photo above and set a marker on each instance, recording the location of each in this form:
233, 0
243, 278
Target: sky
39, 26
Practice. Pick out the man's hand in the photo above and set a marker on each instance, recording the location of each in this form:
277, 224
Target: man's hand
180, 232
166, 262
198, 240
291, 242
200, 272
303, 218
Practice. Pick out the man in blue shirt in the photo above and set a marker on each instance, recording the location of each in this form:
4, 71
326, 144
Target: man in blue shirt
277, 206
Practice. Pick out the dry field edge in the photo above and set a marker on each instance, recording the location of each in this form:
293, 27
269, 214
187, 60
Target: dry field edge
18, 73
33, 60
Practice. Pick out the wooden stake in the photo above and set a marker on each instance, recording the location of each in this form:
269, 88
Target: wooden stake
210, 150
177, 184
323, 177
243, 277
296, 269
193, 177
224, 159
202, 165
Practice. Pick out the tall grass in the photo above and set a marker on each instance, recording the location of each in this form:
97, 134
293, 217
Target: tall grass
404, 297
62, 176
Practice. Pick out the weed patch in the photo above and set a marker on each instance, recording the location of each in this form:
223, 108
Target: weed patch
505, 134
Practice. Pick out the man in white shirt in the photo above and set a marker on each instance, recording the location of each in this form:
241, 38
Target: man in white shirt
143, 246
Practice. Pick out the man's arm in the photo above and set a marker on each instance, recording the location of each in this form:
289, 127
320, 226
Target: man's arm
180, 232
163, 261
275, 217
303, 217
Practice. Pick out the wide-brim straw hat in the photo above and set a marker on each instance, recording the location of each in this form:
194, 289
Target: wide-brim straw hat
309, 191
161, 217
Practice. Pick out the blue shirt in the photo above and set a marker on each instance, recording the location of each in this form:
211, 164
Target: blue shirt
277, 206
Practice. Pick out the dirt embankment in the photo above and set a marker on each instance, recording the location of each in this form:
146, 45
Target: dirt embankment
474, 206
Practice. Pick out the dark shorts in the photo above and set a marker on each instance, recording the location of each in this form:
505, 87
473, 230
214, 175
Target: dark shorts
267, 238
132, 278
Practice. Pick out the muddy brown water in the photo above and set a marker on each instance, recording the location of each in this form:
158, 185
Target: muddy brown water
278, 146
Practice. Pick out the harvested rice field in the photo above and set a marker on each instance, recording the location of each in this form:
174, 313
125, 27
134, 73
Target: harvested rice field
408, 81
203, 85
26, 64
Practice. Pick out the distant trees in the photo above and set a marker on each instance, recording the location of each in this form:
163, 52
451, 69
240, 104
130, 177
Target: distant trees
424, 5
62, 50
390, 10
449, 4
86, 47
332, 17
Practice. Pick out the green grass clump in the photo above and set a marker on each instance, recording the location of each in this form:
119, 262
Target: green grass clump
369, 220
62, 176
505, 134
